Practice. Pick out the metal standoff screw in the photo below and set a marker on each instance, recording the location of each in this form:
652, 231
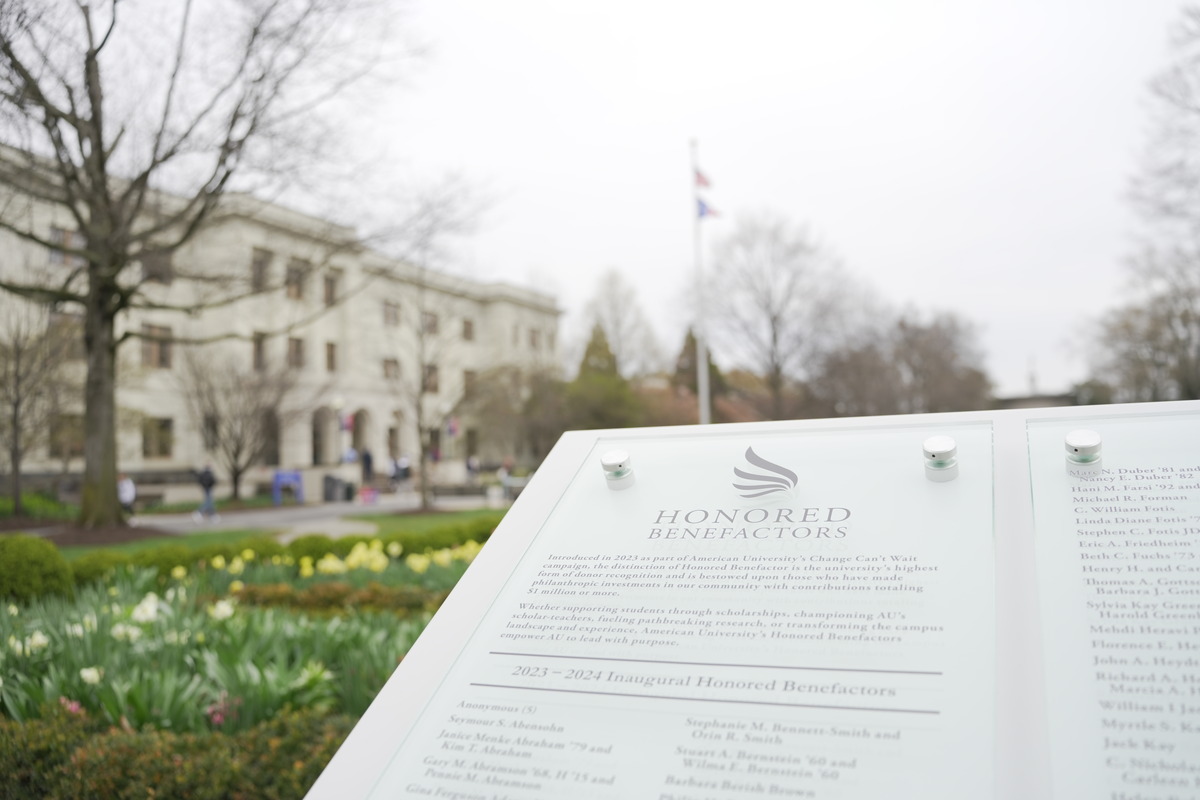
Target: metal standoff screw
617, 469
941, 458
1082, 446
940, 452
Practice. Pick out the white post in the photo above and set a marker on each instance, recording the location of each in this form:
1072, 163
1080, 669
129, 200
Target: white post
702, 390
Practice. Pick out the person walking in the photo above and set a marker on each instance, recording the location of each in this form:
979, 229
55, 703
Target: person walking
126, 494
207, 509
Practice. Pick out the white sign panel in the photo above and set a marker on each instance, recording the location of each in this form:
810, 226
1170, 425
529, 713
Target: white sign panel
798, 609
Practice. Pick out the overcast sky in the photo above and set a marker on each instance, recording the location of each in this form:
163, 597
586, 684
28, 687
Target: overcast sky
966, 156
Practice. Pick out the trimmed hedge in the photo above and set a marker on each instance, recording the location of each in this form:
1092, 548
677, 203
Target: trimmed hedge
95, 566
31, 567
333, 595
64, 755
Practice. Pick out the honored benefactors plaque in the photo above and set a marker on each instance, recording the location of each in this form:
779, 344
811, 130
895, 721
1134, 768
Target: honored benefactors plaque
821, 609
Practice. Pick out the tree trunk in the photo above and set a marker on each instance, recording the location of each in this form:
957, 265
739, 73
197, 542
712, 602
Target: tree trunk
423, 482
15, 459
98, 504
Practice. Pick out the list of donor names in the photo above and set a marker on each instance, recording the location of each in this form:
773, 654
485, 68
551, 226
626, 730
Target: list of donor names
1137, 531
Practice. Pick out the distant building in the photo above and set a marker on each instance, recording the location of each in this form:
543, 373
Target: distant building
363, 337
1034, 401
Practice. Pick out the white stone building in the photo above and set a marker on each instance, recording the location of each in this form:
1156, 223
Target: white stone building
361, 337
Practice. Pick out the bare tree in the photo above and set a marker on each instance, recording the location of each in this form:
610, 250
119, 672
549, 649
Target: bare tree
615, 308
429, 325
133, 121
778, 301
910, 366
1149, 347
239, 411
33, 356
520, 411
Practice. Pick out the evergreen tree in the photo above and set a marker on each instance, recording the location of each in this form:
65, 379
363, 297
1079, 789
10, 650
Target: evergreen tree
599, 397
685, 369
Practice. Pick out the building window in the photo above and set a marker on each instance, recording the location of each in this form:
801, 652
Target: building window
391, 369
429, 379
64, 240
66, 436
260, 268
331, 288
260, 351
210, 431
296, 278
469, 379
295, 353
391, 313
157, 266
469, 330
535, 339
157, 437
156, 347
271, 444
429, 322
331, 357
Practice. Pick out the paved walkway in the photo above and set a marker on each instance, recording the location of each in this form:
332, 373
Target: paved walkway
331, 519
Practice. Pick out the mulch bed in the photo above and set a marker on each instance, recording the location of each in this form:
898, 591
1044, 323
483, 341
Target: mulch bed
69, 535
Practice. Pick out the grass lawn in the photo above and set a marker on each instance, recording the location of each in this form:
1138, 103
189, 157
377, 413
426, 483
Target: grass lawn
193, 540
422, 523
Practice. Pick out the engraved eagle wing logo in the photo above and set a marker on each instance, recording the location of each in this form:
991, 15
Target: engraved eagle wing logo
770, 479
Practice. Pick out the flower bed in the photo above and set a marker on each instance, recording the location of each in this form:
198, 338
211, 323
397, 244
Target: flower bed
193, 653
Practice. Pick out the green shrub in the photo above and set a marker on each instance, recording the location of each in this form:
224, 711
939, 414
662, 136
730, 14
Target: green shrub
38, 506
478, 530
64, 755
97, 565
263, 547
281, 758
31, 567
165, 558
31, 752
314, 545
159, 764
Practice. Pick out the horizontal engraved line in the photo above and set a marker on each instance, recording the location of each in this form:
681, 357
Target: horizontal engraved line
707, 699
715, 664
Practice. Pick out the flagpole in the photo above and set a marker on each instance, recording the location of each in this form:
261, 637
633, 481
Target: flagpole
702, 390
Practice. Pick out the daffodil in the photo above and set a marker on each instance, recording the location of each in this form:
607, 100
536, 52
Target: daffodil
91, 675
331, 565
179, 572
222, 609
418, 562
217, 561
123, 632
147, 609
236, 586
